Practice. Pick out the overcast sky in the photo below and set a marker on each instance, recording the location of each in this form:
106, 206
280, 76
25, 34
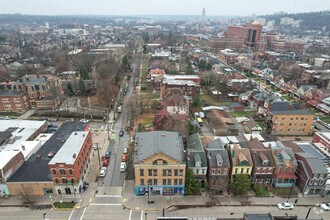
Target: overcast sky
160, 7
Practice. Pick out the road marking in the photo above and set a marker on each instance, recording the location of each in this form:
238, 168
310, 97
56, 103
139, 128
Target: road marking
90, 200
137, 208
71, 214
77, 207
142, 215
108, 196
83, 213
130, 215
107, 204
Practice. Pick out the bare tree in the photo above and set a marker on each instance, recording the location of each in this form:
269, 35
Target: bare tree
26, 192
131, 107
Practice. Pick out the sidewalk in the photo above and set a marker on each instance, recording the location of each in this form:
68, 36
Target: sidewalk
133, 202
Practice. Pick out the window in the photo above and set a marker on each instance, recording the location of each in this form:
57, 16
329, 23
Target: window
247, 170
164, 181
197, 171
225, 171
203, 171
269, 170
291, 171
5, 100
18, 106
7, 107
169, 182
303, 129
213, 171
175, 182
62, 171
142, 182
16, 100
141, 172
302, 118
242, 170
155, 182
150, 182
149, 172
180, 181
282, 124
283, 118
155, 172
164, 173
65, 180
181, 173
72, 180
70, 171
279, 169
236, 170
311, 182
176, 172
289, 129
258, 170
264, 170
169, 172
306, 118
54, 171
56, 180
304, 123
321, 182
291, 118
285, 169
290, 124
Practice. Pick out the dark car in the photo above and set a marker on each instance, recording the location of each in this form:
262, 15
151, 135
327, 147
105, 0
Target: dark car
107, 154
121, 133
317, 127
42, 119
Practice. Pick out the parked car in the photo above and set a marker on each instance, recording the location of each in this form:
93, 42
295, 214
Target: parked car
317, 127
103, 172
106, 162
107, 154
124, 158
51, 154
42, 119
5, 118
121, 133
285, 205
325, 206
52, 119
125, 150
122, 166
84, 120
70, 120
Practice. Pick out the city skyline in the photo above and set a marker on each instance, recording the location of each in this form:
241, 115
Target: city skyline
157, 7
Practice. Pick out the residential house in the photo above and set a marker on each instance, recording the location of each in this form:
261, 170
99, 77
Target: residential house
263, 164
196, 158
220, 122
176, 104
159, 163
285, 165
252, 127
219, 166
304, 88
166, 121
241, 161
312, 174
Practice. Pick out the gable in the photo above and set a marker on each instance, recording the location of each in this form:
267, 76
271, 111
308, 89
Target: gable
159, 157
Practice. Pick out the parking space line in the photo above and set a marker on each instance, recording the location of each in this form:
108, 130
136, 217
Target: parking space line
83, 213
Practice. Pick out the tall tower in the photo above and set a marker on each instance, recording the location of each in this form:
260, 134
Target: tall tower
203, 15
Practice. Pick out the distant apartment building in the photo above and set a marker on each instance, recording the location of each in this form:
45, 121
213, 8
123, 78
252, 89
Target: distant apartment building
251, 33
13, 101
69, 165
222, 43
159, 163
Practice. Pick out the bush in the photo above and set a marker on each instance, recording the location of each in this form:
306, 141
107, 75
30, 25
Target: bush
262, 192
64, 205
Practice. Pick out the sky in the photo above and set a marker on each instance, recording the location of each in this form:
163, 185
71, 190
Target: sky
160, 7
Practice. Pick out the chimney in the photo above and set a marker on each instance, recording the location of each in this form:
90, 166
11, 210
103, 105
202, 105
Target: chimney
269, 145
23, 147
251, 137
74, 156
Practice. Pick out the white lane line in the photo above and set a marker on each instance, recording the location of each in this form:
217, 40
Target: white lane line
130, 214
83, 213
108, 204
142, 215
71, 214
108, 196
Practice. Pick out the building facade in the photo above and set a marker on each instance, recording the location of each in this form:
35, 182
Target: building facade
241, 161
13, 101
159, 163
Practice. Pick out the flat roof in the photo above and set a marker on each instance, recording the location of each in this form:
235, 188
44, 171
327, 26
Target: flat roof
6, 156
21, 130
71, 147
181, 77
36, 169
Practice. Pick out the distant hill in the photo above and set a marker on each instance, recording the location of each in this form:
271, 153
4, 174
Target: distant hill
310, 20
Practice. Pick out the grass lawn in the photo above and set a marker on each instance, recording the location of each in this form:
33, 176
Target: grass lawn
287, 97
149, 96
64, 205
326, 119
261, 124
241, 114
146, 119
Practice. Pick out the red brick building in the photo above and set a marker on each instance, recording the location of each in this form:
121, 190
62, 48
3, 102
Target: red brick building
13, 101
323, 138
217, 44
69, 166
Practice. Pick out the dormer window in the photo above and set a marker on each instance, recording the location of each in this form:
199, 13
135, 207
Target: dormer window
265, 162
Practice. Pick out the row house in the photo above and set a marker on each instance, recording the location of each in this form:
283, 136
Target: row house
312, 174
175, 103
263, 164
285, 165
189, 88
69, 165
227, 56
241, 161
322, 138
196, 158
218, 166
159, 168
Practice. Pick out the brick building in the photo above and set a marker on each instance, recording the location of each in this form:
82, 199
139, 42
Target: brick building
323, 138
70, 164
159, 164
227, 56
217, 44
13, 101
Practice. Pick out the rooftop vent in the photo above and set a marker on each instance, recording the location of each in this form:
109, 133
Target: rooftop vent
63, 140
39, 156
75, 133
163, 134
74, 156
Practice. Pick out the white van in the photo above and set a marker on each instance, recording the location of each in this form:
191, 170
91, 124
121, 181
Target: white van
122, 166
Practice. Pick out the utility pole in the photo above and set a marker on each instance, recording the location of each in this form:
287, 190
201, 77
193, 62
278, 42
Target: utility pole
308, 213
90, 110
98, 154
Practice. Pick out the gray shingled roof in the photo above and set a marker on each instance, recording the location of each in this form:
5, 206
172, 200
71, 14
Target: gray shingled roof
150, 143
10, 93
292, 112
214, 148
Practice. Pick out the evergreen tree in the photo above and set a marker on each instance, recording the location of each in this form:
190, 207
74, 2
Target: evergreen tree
69, 90
82, 88
83, 72
197, 102
192, 186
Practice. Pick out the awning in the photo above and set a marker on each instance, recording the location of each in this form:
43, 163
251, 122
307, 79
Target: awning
286, 176
313, 103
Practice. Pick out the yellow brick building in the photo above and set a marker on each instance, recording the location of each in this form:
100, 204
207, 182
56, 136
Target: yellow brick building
159, 163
